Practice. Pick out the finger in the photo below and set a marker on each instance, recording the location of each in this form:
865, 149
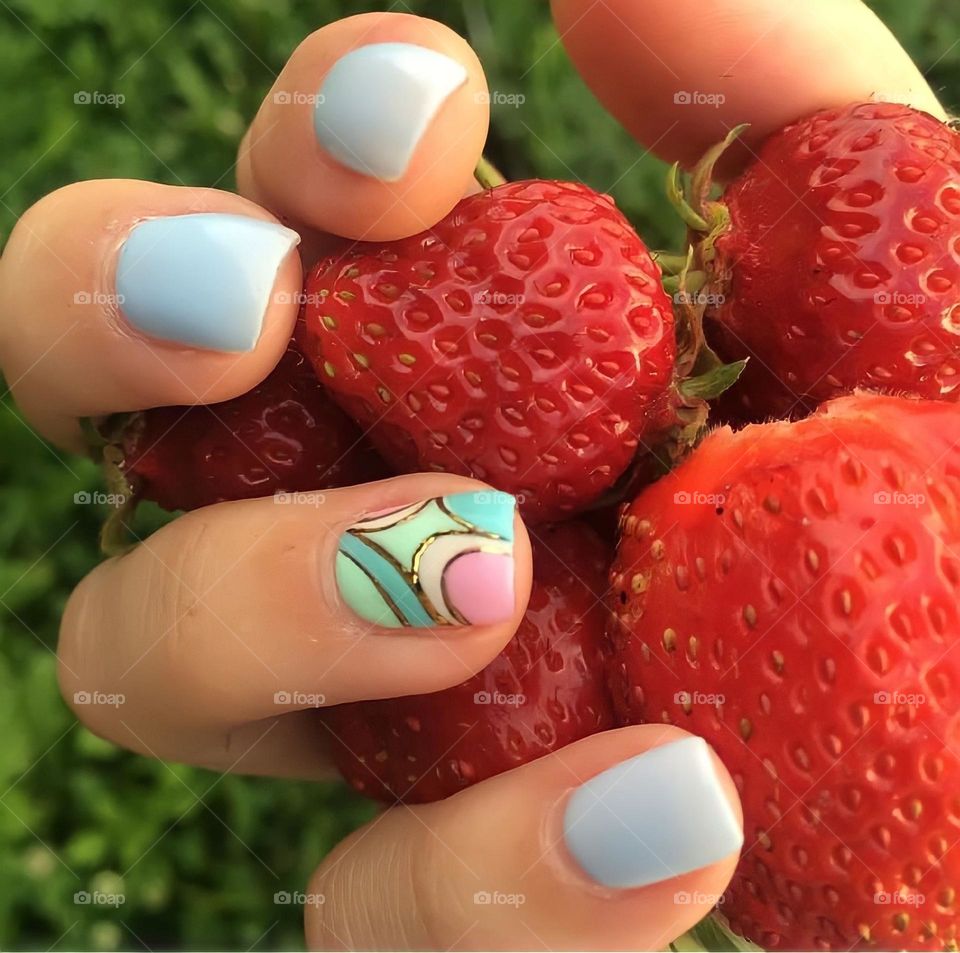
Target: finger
680, 73
245, 611
372, 130
620, 841
119, 295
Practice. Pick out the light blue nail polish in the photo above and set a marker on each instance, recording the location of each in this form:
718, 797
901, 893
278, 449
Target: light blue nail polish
203, 280
378, 100
656, 816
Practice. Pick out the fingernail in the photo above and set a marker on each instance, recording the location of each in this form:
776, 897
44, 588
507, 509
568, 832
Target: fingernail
377, 101
204, 279
656, 816
445, 561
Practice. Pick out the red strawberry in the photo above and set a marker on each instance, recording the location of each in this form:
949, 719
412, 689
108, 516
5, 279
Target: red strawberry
285, 434
525, 340
840, 267
545, 690
790, 593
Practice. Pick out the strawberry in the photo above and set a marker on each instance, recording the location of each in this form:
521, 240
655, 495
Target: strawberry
284, 435
840, 265
790, 593
525, 340
545, 690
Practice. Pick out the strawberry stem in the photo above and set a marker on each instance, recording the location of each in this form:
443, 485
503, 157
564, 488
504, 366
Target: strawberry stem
669, 264
706, 221
104, 444
675, 193
699, 375
92, 438
713, 935
712, 383
701, 180
487, 174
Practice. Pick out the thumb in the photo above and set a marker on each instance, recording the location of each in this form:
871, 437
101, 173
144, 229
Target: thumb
621, 841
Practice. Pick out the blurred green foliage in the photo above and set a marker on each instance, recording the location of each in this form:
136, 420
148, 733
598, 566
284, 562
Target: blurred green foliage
197, 857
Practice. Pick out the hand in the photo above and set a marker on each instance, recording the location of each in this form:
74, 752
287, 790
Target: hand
222, 628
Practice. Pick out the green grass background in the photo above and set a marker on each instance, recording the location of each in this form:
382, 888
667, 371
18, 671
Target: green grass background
198, 857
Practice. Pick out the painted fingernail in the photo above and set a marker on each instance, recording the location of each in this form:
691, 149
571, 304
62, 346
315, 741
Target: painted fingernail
445, 561
378, 100
203, 279
656, 816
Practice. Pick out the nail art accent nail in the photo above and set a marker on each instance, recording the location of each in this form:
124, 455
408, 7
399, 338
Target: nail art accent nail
204, 279
445, 561
653, 817
378, 100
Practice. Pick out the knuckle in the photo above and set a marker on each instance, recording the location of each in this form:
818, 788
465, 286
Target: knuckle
387, 891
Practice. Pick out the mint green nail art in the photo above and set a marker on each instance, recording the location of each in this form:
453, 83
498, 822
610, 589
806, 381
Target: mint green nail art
445, 561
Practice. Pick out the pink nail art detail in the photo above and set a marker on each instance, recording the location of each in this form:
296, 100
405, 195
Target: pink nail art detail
480, 585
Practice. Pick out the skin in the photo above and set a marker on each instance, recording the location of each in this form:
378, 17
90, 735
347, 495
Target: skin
228, 605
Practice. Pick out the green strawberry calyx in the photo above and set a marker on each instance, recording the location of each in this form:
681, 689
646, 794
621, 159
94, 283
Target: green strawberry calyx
104, 445
487, 174
712, 935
